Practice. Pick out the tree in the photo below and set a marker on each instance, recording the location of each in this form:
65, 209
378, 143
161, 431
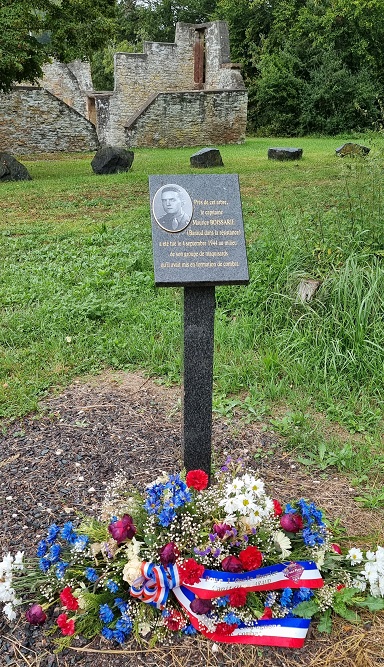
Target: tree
33, 31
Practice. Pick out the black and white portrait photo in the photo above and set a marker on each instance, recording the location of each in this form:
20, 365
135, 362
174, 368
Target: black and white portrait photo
172, 208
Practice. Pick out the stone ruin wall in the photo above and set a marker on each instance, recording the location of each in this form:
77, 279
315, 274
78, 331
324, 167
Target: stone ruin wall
32, 120
65, 114
168, 68
214, 116
69, 82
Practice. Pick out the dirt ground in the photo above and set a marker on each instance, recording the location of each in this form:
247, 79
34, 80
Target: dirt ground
57, 463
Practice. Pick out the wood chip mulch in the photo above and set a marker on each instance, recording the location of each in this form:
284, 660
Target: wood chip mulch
58, 463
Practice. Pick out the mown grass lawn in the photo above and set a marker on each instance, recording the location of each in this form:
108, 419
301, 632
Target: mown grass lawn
77, 291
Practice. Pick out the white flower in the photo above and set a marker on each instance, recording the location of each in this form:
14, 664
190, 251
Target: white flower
282, 543
6, 565
18, 561
9, 611
319, 558
144, 628
360, 583
370, 555
132, 570
133, 549
254, 485
355, 556
7, 594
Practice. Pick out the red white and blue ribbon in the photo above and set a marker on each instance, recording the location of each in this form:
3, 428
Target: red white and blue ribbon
156, 581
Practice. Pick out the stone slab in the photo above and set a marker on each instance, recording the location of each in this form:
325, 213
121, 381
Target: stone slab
206, 157
351, 148
285, 153
206, 244
112, 160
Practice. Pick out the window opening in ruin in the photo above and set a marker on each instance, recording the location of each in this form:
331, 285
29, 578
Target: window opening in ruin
91, 109
199, 58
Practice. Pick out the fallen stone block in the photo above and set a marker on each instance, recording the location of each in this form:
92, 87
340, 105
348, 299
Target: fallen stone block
12, 170
112, 160
352, 149
207, 157
285, 153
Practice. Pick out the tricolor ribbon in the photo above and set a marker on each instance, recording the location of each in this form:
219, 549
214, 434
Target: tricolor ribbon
156, 581
154, 584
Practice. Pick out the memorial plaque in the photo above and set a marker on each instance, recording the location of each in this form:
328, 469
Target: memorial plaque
197, 230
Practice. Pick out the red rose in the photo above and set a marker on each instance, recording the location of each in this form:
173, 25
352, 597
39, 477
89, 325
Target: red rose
278, 510
66, 625
191, 572
336, 549
340, 587
292, 523
199, 606
123, 529
68, 600
267, 614
35, 615
251, 558
232, 564
225, 628
238, 598
197, 479
168, 554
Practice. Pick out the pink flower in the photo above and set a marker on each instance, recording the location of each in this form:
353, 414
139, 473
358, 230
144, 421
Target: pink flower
232, 564
221, 529
174, 620
66, 625
238, 598
336, 549
199, 606
251, 558
278, 510
123, 529
35, 615
168, 554
191, 572
69, 601
292, 523
267, 614
197, 479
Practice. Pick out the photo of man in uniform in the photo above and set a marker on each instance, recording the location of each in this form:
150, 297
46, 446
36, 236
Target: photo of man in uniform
177, 206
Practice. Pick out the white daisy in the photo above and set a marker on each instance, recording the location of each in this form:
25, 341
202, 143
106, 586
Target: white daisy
355, 556
282, 543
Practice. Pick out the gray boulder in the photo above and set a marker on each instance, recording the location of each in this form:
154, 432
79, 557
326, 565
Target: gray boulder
112, 160
207, 157
285, 153
352, 149
12, 170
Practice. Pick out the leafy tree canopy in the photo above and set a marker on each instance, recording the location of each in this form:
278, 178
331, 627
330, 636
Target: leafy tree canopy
33, 31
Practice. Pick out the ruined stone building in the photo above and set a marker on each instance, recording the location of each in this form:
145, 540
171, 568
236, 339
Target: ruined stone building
185, 93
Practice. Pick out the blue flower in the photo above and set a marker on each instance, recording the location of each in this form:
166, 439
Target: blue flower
67, 532
106, 613
119, 636
80, 542
121, 605
223, 601
124, 624
289, 509
53, 532
301, 595
286, 597
60, 569
44, 564
112, 586
189, 630
107, 633
42, 549
231, 618
54, 553
91, 574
